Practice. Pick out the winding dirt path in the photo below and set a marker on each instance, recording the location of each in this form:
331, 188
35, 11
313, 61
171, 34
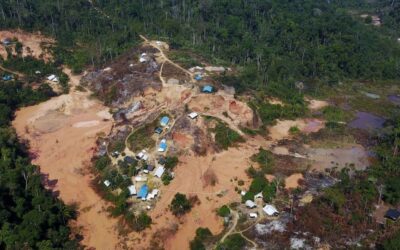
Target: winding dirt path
11, 71
166, 59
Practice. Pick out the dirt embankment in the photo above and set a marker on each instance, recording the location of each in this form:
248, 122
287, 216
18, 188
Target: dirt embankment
62, 133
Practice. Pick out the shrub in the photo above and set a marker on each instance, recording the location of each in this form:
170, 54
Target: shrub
201, 235
224, 211
166, 178
102, 162
180, 205
171, 162
294, 130
226, 137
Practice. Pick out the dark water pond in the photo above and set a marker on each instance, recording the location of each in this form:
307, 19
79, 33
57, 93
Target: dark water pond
367, 121
395, 99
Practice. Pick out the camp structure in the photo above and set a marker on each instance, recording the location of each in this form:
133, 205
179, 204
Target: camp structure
164, 121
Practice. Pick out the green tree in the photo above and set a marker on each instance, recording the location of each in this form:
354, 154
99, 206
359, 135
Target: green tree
180, 205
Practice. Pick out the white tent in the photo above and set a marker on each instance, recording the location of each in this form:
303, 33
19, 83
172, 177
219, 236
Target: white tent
270, 210
107, 183
250, 204
132, 189
193, 115
258, 196
140, 178
253, 215
153, 194
52, 78
159, 172
243, 193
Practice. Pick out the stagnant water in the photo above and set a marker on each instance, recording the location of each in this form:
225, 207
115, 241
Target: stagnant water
395, 99
367, 121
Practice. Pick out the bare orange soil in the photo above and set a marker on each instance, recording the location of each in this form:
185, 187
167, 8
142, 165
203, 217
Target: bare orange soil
292, 181
33, 43
238, 112
192, 179
62, 133
281, 129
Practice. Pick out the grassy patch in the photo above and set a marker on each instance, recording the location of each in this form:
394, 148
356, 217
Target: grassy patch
184, 58
226, 137
141, 138
265, 160
118, 145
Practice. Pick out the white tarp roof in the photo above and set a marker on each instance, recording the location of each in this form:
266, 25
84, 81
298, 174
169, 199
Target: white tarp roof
253, 215
193, 115
270, 210
153, 194
132, 189
53, 78
250, 204
159, 172
259, 195
140, 178
107, 183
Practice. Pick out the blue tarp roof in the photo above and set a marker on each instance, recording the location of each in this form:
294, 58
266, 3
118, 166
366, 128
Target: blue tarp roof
7, 78
164, 121
143, 191
158, 130
392, 214
208, 89
198, 77
163, 145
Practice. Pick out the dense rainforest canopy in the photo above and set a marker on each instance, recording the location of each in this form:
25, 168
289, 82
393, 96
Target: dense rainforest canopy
275, 41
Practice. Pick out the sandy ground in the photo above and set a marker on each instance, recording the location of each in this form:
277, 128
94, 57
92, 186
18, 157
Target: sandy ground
281, 129
238, 112
292, 181
31, 43
317, 104
62, 133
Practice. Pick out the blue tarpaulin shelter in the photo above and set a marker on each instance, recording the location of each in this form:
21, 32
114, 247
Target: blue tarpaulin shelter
164, 121
163, 146
198, 77
392, 214
207, 89
144, 190
7, 77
